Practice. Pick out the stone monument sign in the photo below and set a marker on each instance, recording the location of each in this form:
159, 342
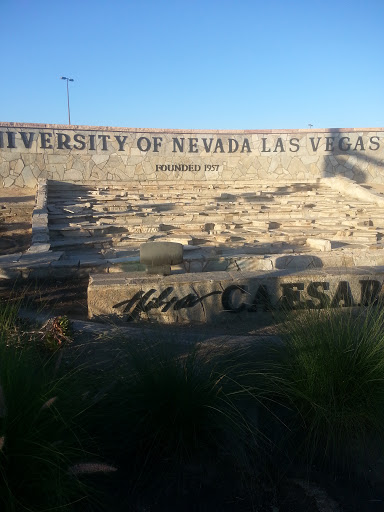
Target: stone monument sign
29, 152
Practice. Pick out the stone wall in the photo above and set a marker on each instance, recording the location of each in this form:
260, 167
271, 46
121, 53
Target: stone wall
79, 153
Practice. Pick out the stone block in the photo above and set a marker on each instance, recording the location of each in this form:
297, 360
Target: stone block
222, 296
40, 238
319, 244
39, 220
38, 248
6, 259
43, 258
155, 254
163, 270
72, 263
125, 267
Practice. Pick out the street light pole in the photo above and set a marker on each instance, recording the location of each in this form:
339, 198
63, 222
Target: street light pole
68, 80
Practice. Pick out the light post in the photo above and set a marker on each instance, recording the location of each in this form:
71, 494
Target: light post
68, 80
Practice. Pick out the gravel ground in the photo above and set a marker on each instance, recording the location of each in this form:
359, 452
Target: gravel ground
16, 207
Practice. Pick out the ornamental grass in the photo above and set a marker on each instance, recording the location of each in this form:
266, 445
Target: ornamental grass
40, 440
179, 426
330, 376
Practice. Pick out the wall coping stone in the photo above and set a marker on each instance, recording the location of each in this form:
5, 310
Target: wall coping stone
5, 124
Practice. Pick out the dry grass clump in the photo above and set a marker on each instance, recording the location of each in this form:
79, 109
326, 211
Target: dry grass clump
40, 440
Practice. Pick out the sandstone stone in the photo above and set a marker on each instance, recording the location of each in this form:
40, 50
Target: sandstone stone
8, 182
73, 175
19, 167
38, 259
71, 263
40, 237
100, 159
9, 156
4, 169
28, 158
155, 254
40, 220
9, 258
28, 176
38, 247
78, 165
319, 244
57, 159
19, 182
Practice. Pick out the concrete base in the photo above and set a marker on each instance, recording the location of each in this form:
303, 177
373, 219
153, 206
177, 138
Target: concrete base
218, 296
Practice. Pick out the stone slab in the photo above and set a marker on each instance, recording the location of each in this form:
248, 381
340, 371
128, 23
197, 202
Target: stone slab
217, 296
6, 259
38, 248
37, 259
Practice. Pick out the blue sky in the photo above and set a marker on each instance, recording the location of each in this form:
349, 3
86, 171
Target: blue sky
213, 64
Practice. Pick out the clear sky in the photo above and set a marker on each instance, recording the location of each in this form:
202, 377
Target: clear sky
213, 64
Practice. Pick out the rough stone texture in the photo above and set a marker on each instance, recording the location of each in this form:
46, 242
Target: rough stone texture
40, 231
319, 244
244, 226
222, 226
79, 153
247, 226
161, 253
218, 296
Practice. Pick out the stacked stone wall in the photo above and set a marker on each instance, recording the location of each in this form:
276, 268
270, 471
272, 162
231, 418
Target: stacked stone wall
29, 152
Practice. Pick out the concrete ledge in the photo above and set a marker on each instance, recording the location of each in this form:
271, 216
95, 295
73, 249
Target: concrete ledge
218, 296
53, 265
352, 189
40, 231
5, 124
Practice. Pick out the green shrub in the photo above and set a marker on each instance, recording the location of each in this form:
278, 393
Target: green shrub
331, 374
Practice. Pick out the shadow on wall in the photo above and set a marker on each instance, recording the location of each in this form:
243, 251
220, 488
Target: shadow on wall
351, 164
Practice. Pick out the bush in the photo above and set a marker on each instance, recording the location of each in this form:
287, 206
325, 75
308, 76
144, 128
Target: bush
331, 374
